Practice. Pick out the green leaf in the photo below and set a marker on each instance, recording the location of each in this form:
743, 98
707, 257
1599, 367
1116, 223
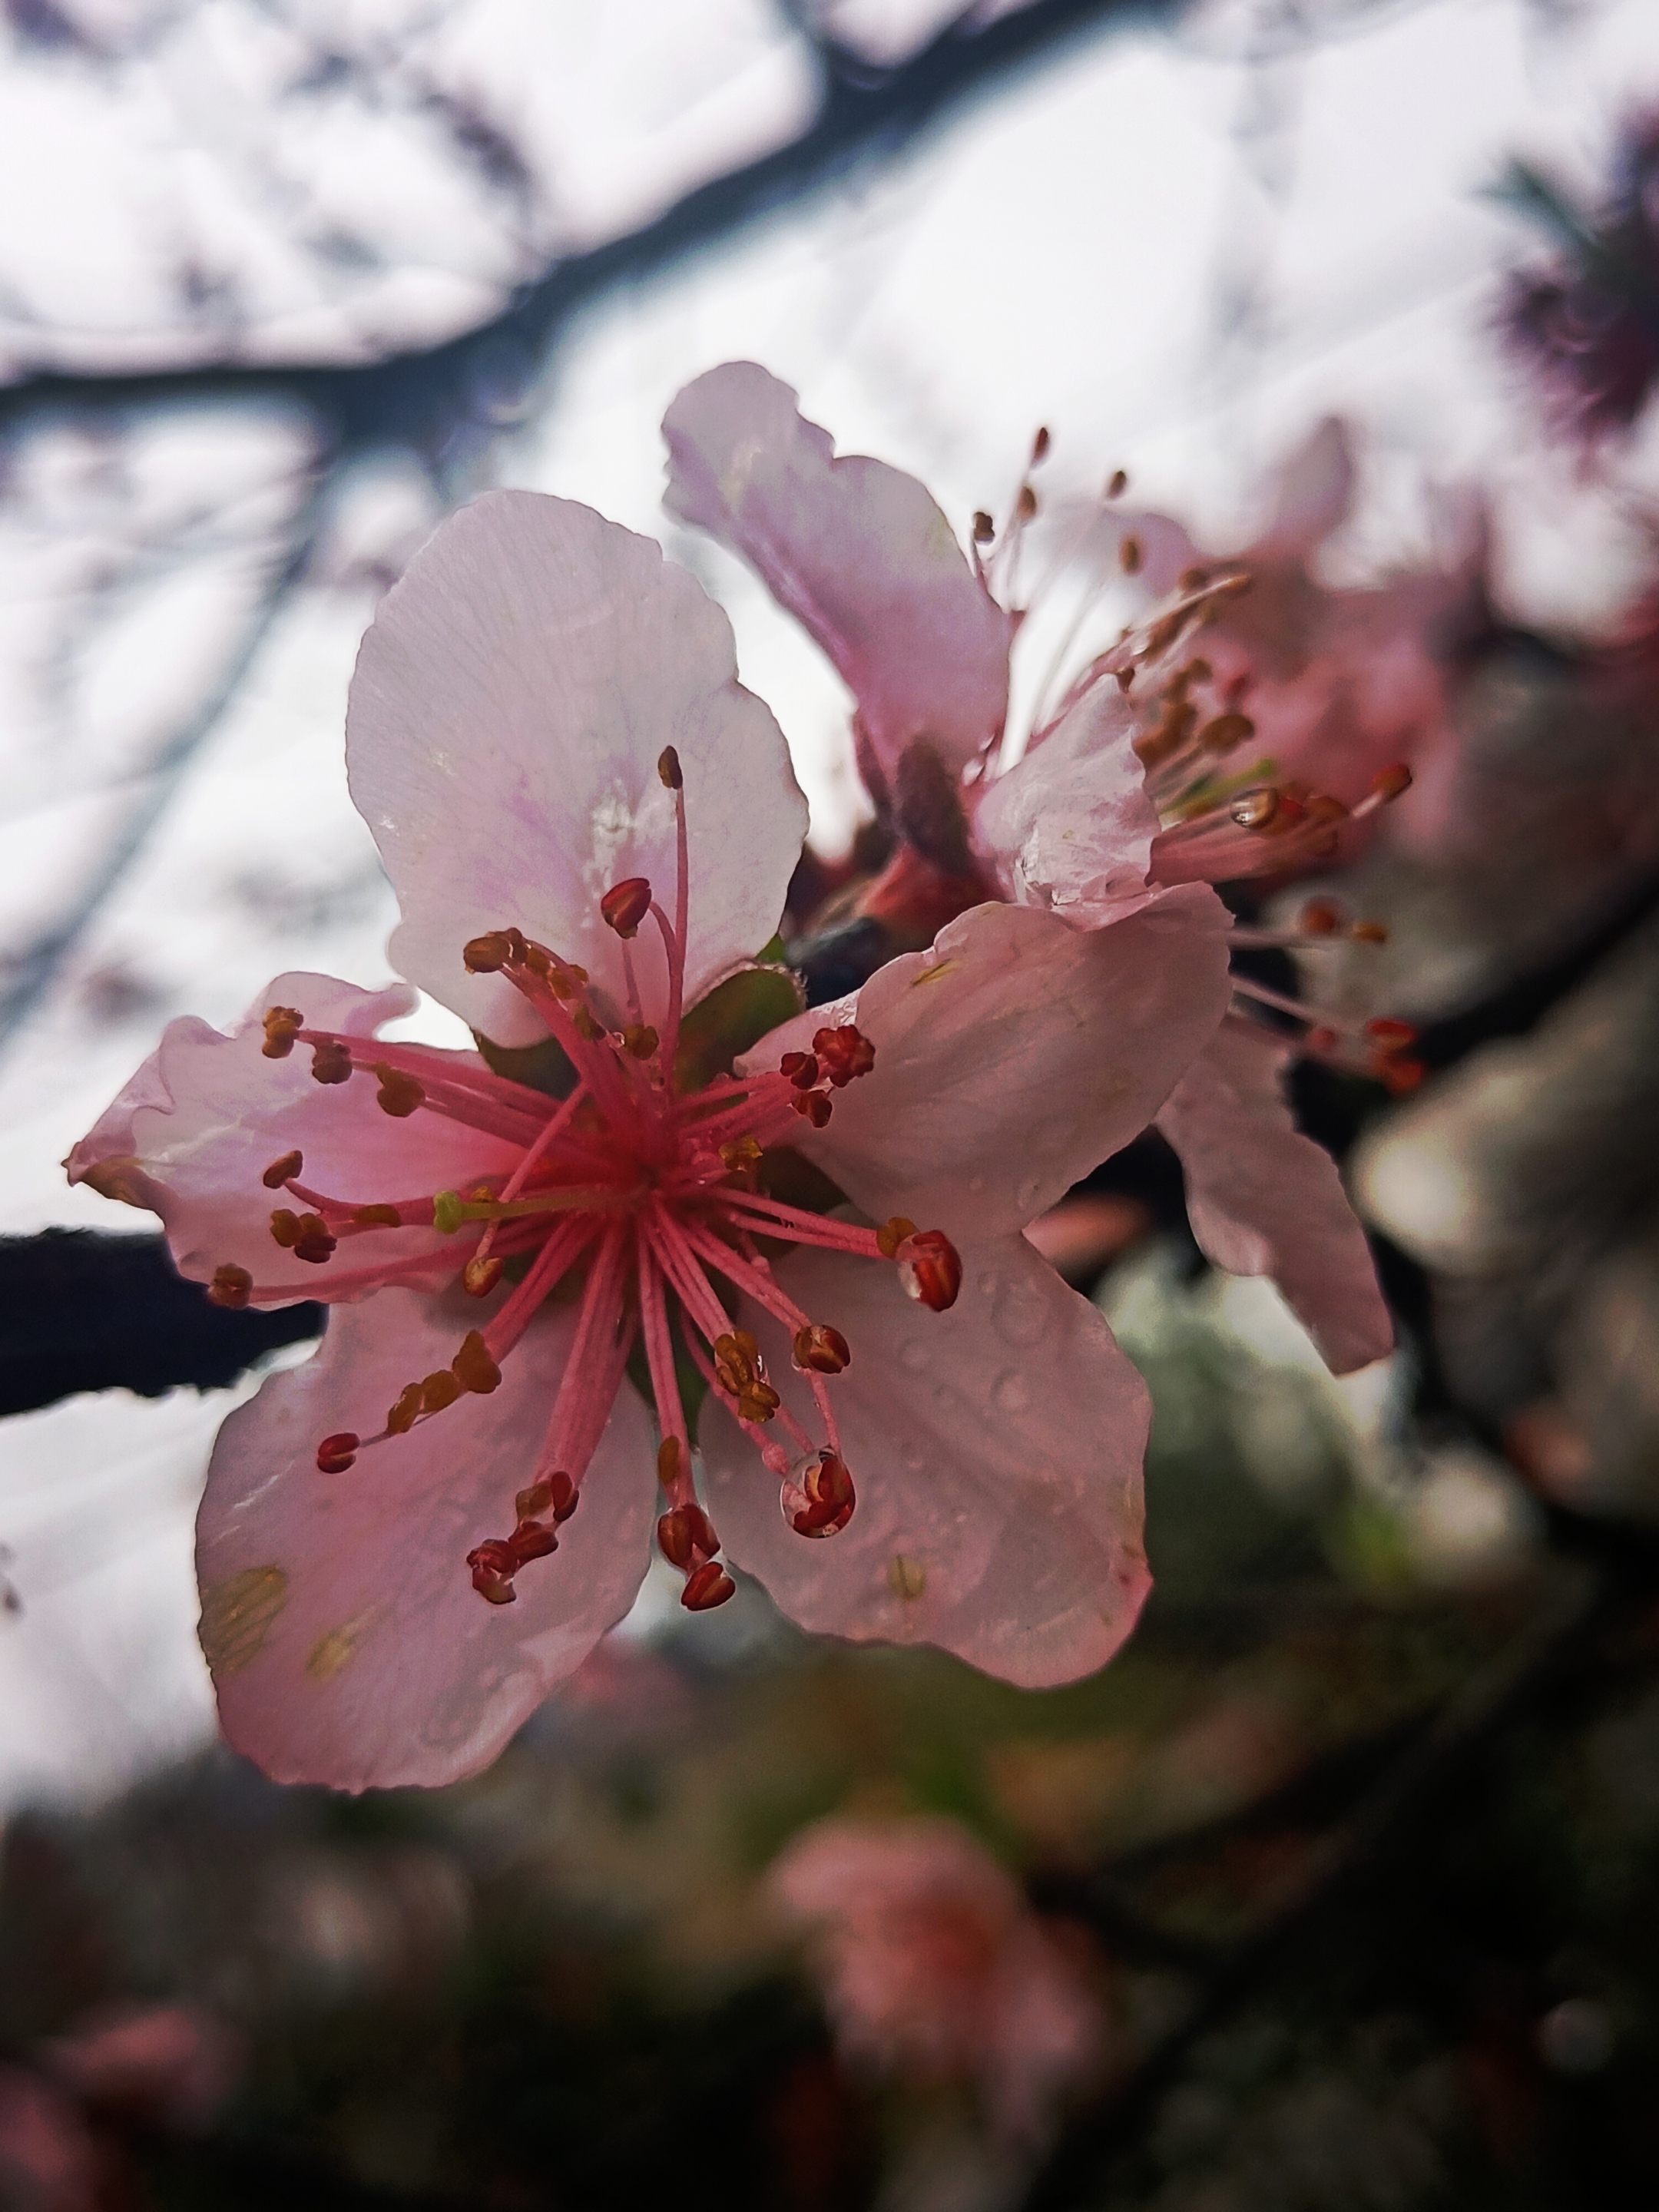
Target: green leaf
735, 1015
544, 1066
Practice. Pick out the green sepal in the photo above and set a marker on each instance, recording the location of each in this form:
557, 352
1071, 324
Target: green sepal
733, 1017
543, 1066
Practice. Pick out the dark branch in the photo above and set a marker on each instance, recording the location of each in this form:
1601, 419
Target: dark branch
80, 1310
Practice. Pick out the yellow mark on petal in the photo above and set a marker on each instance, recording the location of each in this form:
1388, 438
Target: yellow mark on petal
238, 1615
330, 1653
905, 1577
931, 975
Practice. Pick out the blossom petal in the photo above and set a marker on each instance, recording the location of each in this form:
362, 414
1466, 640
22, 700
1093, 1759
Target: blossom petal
1014, 1056
1070, 826
858, 552
192, 1134
511, 701
996, 1450
1263, 1200
1313, 491
347, 1642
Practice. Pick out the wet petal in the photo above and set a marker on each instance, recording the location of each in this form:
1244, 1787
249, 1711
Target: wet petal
191, 1137
1014, 1056
996, 1450
1263, 1200
347, 1642
511, 701
858, 552
1070, 827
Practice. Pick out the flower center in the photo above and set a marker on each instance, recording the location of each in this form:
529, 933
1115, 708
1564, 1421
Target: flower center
654, 1200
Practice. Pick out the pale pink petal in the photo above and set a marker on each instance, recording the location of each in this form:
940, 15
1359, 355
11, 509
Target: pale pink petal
348, 1645
1313, 494
858, 552
1263, 1200
512, 699
193, 1133
996, 1452
1013, 1057
1070, 828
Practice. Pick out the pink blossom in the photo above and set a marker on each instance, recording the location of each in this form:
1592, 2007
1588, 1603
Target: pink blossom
934, 1967
590, 826
1120, 796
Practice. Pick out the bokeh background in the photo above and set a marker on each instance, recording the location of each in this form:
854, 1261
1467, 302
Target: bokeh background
1350, 1857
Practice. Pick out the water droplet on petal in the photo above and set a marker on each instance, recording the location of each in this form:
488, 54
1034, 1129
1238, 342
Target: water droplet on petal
1011, 1392
1020, 1315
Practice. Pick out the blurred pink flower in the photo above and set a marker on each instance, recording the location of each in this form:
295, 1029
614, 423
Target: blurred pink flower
1107, 811
1339, 685
161, 2066
544, 725
935, 1969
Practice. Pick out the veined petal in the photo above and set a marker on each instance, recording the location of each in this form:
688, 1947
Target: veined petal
347, 1642
1263, 1200
858, 552
511, 701
192, 1134
1013, 1057
1070, 827
996, 1450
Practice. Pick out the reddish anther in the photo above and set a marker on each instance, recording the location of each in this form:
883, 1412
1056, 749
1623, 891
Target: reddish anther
399, 1094
439, 1390
335, 1454
1392, 781
626, 904
668, 769
493, 1564
532, 1540
1390, 1035
819, 1350
232, 1287
819, 1500
331, 1062
1401, 1077
1321, 917
480, 1277
709, 1587
281, 1025
472, 1365
930, 1268
686, 1538
844, 1053
814, 1106
283, 1170
487, 955
562, 1495
799, 1068
401, 1419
